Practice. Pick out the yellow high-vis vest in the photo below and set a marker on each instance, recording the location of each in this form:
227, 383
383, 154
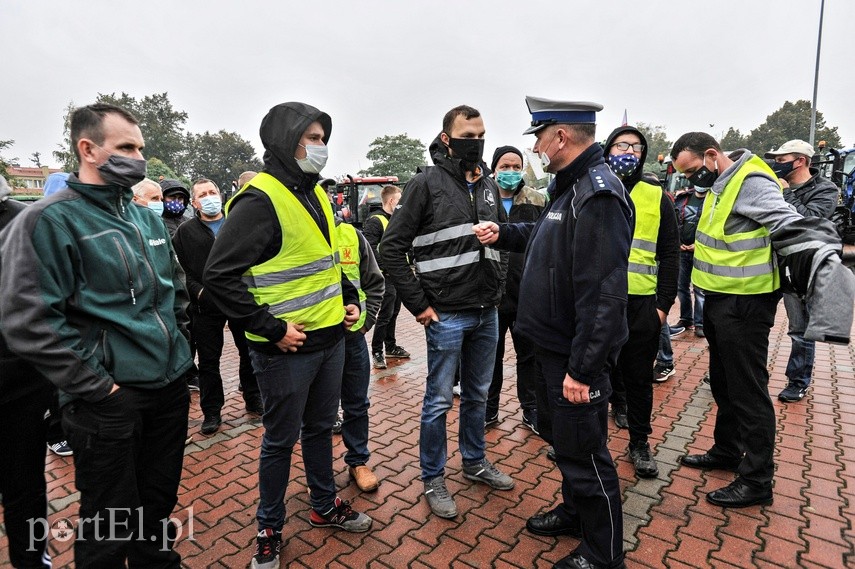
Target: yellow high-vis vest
348, 248
383, 220
643, 268
741, 263
301, 284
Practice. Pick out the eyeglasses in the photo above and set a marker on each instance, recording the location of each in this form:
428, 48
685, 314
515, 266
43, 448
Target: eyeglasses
624, 146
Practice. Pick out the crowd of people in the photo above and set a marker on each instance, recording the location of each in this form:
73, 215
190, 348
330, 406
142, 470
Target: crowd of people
113, 286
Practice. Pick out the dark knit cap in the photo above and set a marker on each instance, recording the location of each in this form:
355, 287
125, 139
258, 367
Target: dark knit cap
501, 151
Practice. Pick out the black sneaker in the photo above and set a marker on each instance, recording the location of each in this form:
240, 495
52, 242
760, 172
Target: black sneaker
699, 332
530, 421
706, 378
676, 330
662, 372
267, 546
683, 324
211, 424
379, 361
621, 420
397, 352
645, 466
255, 406
339, 421
492, 420
60, 449
341, 515
193, 383
792, 393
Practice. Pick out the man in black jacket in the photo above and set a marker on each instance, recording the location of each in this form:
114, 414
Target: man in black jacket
384, 330
24, 397
274, 267
653, 270
193, 241
454, 297
816, 197
573, 297
522, 204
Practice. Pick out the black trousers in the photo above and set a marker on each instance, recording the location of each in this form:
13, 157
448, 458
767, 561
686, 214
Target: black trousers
22, 477
387, 318
208, 334
524, 349
737, 329
128, 455
632, 379
590, 486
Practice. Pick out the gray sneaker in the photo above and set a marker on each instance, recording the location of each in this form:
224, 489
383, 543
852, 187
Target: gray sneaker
440, 501
487, 473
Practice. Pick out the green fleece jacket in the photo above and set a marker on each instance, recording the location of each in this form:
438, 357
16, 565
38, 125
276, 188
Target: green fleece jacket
92, 293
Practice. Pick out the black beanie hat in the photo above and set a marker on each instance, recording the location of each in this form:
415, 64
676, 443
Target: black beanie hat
501, 151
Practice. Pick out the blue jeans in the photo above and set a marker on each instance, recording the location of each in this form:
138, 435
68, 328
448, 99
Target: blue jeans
466, 338
800, 364
683, 283
300, 394
665, 356
354, 398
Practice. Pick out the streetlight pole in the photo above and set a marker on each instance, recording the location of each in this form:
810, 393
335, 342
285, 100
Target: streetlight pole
816, 76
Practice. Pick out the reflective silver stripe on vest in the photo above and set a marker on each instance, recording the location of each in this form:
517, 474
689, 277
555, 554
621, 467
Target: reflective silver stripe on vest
735, 272
642, 269
306, 301
448, 262
356, 282
644, 245
492, 254
446, 234
292, 274
743, 245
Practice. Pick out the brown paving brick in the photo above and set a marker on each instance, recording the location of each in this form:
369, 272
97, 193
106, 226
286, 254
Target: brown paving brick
691, 549
826, 529
409, 550
486, 549
651, 548
827, 554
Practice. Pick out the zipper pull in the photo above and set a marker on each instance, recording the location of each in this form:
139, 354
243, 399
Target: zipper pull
133, 297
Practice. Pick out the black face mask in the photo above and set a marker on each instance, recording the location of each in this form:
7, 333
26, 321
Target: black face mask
783, 169
468, 150
703, 177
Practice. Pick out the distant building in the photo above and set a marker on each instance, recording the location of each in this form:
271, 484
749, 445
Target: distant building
29, 180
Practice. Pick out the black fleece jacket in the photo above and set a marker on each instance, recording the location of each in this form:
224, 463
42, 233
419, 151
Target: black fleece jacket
252, 235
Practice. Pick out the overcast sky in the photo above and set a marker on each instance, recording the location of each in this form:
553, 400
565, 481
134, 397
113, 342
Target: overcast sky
389, 67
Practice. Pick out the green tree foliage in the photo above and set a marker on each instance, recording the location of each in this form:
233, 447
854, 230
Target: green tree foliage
397, 155
6, 162
64, 154
156, 168
657, 144
791, 121
732, 140
220, 156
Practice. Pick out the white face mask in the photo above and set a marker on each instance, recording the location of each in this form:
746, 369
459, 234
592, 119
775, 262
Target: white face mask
156, 207
545, 161
315, 160
211, 205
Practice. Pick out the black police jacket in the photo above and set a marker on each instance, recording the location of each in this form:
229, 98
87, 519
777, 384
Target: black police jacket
573, 292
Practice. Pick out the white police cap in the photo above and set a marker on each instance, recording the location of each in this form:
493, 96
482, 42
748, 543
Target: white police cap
545, 112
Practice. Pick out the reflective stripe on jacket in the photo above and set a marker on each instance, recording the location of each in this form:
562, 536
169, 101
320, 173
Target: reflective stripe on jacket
348, 248
302, 283
741, 263
642, 268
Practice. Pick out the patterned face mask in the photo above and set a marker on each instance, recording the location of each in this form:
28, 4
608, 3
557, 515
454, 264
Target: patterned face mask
623, 165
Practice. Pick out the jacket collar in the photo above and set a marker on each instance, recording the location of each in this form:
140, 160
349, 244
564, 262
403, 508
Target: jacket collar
109, 197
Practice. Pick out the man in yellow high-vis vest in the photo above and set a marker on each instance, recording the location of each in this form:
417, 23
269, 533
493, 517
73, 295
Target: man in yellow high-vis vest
737, 268
654, 262
275, 267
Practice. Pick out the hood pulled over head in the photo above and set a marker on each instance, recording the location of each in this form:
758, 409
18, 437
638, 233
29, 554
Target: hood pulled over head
631, 180
281, 130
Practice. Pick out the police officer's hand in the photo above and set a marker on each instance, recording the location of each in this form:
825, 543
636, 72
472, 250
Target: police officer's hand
293, 338
486, 232
426, 317
576, 391
351, 315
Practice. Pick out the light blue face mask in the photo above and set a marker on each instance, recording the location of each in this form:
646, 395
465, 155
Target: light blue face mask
211, 205
509, 179
156, 207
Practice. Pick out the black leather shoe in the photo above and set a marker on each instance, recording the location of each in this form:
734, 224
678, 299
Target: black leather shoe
738, 494
707, 462
254, 406
211, 424
552, 523
550, 454
576, 561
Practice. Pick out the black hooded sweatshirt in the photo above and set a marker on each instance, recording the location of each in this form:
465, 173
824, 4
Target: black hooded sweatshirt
668, 241
252, 235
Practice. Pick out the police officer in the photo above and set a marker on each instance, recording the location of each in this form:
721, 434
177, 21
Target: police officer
653, 270
573, 297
